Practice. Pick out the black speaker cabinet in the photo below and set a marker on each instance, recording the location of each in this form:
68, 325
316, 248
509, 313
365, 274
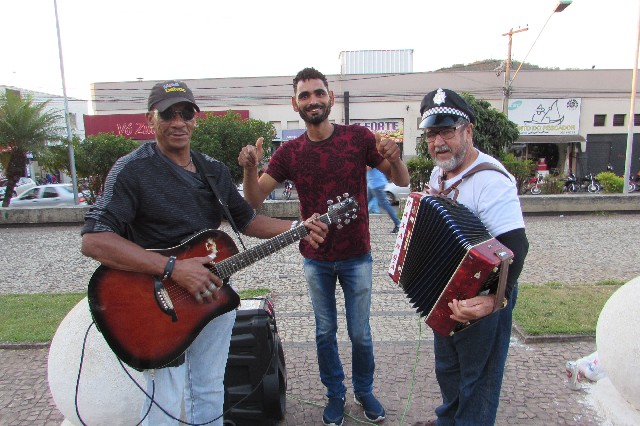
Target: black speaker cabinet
255, 381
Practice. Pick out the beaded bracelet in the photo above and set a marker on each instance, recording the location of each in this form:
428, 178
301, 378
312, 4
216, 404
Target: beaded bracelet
168, 269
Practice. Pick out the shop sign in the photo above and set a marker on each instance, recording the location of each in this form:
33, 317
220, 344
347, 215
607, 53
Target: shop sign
556, 116
133, 126
392, 128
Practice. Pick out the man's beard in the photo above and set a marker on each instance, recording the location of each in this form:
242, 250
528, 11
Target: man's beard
315, 119
453, 162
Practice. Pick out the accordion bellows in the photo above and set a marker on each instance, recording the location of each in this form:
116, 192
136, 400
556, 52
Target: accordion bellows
444, 252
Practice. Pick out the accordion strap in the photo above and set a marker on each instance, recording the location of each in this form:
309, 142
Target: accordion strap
478, 168
505, 260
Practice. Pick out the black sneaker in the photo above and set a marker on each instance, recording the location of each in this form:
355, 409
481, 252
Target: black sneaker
334, 412
395, 229
373, 410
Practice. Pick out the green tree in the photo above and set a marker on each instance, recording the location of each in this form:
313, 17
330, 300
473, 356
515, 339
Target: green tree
493, 132
520, 169
419, 171
25, 126
222, 137
56, 157
94, 157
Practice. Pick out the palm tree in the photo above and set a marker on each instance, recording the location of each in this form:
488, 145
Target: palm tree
24, 126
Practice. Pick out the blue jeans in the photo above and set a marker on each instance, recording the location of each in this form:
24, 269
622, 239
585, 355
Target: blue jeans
355, 277
469, 369
384, 204
200, 380
373, 203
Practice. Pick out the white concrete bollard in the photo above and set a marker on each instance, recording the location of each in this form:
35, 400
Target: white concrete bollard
618, 341
106, 395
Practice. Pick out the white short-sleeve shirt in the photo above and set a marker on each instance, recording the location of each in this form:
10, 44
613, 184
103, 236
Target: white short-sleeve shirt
489, 194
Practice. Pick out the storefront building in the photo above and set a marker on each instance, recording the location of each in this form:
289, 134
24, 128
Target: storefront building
575, 119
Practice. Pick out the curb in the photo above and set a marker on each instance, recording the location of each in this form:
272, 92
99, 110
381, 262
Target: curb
25, 345
551, 338
516, 329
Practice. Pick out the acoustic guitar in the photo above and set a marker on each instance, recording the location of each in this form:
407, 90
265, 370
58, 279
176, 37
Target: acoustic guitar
148, 323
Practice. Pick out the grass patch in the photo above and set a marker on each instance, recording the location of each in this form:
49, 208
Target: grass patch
556, 308
36, 317
552, 308
254, 292
33, 317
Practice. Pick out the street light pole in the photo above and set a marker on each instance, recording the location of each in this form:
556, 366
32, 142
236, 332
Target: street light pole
627, 160
72, 162
562, 5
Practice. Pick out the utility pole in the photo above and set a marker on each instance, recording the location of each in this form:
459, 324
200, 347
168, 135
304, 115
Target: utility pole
506, 89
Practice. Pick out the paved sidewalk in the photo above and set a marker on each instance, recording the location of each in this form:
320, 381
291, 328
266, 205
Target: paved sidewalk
534, 390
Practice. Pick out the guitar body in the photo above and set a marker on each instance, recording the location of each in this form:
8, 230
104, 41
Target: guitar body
125, 308
148, 323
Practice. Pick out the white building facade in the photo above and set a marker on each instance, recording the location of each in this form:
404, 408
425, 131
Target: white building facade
577, 119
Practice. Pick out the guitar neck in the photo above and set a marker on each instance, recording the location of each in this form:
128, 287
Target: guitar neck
229, 266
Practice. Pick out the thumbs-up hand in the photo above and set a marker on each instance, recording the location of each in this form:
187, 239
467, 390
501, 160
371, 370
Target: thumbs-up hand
251, 155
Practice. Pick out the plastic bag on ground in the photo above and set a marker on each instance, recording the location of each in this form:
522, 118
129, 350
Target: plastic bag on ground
585, 370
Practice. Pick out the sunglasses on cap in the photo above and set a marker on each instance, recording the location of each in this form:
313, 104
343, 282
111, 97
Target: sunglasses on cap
168, 114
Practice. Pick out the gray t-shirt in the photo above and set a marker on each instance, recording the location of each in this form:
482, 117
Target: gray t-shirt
156, 204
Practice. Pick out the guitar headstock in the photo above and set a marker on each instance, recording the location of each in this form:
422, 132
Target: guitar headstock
342, 210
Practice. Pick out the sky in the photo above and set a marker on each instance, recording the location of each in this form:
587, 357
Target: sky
126, 40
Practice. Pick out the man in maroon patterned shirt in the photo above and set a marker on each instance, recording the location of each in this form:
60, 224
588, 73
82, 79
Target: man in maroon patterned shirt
327, 161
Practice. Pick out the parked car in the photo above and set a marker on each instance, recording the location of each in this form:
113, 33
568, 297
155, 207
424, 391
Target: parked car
51, 195
395, 192
22, 185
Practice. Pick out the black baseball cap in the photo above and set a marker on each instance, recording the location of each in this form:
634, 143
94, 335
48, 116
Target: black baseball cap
444, 108
168, 93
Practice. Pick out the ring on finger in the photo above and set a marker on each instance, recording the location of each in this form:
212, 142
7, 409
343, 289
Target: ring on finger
211, 287
198, 297
206, 293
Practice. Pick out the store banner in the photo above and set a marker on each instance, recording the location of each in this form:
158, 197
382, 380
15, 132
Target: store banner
546, 116
133, 126
392, 128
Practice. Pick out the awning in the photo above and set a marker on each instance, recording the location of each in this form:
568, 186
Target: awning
550, 139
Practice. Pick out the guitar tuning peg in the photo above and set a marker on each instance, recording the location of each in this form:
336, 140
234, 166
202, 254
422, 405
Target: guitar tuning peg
347, 221
339, 198
345, 195
329, 202
339, 226
354, 217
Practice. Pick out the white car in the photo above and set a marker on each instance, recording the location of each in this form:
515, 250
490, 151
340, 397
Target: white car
395, 192
51, 195
22, 185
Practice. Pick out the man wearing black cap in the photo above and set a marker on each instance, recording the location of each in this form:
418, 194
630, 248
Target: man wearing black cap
470, 364
155, 198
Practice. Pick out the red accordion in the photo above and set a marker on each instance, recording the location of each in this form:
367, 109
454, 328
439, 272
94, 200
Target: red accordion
444, 252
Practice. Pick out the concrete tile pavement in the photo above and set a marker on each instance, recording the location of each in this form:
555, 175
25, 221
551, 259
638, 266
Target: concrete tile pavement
534, 390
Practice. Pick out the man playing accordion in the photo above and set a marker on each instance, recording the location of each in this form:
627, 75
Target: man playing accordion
470, 364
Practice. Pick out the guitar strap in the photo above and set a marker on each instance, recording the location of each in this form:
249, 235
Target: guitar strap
199, 161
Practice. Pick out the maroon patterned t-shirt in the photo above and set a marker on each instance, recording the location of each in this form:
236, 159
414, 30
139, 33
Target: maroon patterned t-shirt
322, 171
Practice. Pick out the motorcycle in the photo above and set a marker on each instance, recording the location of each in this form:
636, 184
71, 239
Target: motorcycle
571, 183
634, 183
535, 184
590, 183
286, 193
